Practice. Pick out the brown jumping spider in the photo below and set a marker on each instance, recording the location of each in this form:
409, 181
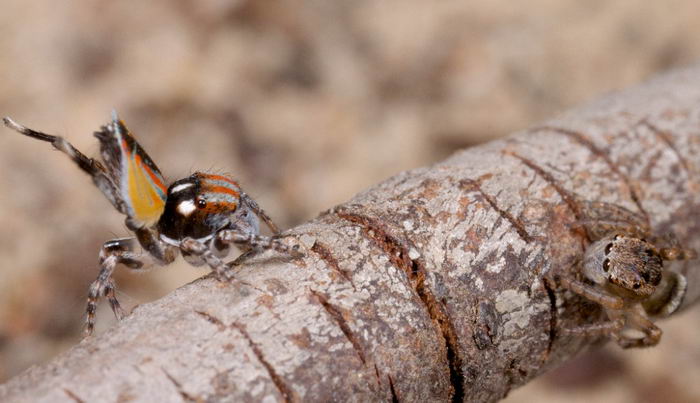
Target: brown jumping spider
624, 273
200, 216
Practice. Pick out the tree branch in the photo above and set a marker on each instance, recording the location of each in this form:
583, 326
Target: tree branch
426, 287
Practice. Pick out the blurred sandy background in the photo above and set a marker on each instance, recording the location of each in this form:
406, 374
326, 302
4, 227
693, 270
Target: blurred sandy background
306, 103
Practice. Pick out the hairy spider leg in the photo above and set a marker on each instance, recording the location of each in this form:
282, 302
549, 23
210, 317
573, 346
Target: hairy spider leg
194, 247
598, 210
598, 329
224, 271
114, 252
91, 166
599, 229
652, 334
675, 251
259, 212
592, 293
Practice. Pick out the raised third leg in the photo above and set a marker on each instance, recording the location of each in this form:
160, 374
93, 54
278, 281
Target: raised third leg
114, 252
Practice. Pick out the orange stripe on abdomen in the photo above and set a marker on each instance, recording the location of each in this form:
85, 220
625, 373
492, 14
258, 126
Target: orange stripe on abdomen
155, 178
220, 178
221, 189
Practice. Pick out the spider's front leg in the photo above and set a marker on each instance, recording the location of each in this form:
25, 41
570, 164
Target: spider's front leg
114, 252
191, 246
247, 241
610, 328
610, 303
601, 297
652, 334
252, 241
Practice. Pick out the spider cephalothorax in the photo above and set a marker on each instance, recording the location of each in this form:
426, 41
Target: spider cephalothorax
629, 266
200, 205
200, 216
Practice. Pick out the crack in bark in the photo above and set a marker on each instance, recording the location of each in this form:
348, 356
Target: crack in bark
73, 396
666, 139
287, 394
325, 254
394, 395
338, 318
566, 196
485, 325
376, 372
212, 319
653, 162
588, 143
552, 318
470, 184
514, 376
185, 396
398, 254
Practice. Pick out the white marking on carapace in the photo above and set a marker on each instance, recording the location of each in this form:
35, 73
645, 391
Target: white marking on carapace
181, 187
186, 207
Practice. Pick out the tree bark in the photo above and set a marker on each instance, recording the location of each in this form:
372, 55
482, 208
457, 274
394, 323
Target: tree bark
426, 287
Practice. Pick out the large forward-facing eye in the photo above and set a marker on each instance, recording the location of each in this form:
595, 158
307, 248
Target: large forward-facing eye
201, 202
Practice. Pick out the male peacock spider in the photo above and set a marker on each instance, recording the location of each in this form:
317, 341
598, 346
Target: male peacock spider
200, 216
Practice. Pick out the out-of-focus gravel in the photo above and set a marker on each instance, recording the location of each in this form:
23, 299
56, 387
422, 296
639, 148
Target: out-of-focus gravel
306, 103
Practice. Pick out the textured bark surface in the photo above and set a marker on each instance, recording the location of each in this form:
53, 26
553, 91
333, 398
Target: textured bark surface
427, 287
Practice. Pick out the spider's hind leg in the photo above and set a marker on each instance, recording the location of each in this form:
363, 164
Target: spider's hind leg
674, 250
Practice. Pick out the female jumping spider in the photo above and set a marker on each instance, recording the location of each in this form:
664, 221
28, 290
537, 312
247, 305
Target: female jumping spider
625, 266
200, 216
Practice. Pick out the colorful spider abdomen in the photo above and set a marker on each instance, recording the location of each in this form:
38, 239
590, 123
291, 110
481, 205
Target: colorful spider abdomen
138, 179
217, 194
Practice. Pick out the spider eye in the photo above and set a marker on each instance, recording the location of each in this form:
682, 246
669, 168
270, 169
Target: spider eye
606, 265
616, 237
201, 203
636, 286
607, 248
